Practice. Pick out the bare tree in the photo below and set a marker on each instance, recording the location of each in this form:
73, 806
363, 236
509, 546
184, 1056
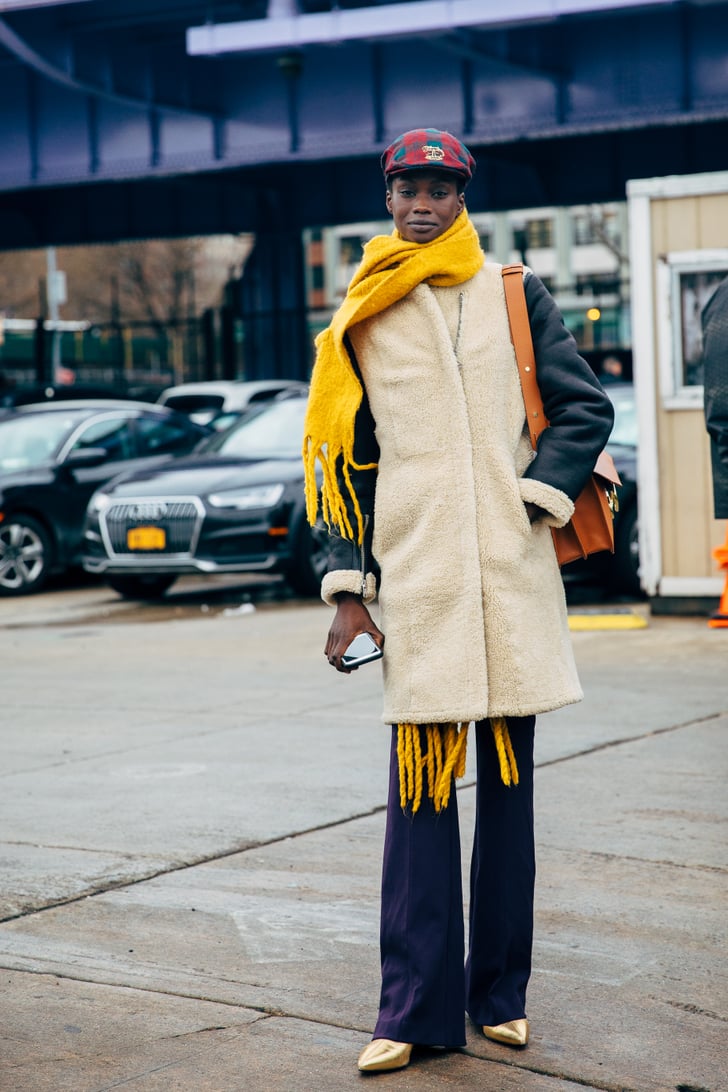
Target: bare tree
160, 281
597, 223
22, 275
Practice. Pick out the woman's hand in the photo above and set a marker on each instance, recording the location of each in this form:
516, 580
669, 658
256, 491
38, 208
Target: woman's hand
351, 619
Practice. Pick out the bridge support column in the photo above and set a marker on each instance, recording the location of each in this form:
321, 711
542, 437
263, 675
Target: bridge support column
271, 300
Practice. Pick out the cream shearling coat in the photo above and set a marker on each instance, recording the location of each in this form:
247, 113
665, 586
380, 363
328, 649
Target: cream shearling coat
472, 601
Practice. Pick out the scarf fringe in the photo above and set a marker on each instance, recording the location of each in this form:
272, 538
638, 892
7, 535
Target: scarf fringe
333, 502
443, 760
506, 757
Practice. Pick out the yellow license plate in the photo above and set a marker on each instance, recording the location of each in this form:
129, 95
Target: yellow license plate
146, 538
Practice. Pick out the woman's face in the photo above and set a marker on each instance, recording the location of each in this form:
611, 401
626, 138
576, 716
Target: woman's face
423, 205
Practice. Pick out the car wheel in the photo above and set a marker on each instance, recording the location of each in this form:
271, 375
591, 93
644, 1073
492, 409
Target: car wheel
626, 568
141, 586
25, 555
309, 564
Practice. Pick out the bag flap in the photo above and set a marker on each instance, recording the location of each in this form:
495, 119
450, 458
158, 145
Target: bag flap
605, 468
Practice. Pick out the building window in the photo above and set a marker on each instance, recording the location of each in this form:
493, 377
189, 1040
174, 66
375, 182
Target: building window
686, 280
597, 284
350, 249
583, 229
539, 234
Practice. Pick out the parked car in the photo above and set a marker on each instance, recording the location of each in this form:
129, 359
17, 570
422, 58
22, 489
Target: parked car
206, 401
619, 572
235, 506
52, 458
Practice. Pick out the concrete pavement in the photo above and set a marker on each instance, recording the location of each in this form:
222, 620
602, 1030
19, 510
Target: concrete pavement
191, 818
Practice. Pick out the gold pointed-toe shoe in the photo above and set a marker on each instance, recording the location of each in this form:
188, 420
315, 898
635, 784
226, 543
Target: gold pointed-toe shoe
513, 1033
382, 1054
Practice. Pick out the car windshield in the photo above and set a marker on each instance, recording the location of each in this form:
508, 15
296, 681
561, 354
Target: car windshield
28, 441
625, 416
274, 431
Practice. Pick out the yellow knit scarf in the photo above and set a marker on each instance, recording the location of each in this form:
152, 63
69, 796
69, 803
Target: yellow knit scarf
390, 269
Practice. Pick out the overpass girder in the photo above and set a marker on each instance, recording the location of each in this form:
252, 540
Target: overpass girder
88, 103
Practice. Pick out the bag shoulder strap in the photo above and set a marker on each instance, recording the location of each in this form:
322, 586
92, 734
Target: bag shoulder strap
523, 345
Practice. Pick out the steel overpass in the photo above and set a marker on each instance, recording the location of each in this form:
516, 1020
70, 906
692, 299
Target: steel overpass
140, 118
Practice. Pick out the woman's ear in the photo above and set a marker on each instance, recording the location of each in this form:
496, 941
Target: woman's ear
388, 200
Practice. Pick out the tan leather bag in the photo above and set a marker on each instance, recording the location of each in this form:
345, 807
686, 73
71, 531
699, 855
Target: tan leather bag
591, 528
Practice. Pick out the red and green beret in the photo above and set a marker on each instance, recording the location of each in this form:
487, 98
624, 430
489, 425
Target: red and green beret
428, 148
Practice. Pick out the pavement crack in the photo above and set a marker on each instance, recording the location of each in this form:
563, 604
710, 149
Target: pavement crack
690, 866
196, 1031
67, 848
135, 1077
554, 1075
695, 1010
612, 743
263, 1012
208, 858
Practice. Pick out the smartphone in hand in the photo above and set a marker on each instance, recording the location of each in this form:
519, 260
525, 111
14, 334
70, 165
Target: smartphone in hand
362, 650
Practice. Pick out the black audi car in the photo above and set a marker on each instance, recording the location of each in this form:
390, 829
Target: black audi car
235, 506
52, 458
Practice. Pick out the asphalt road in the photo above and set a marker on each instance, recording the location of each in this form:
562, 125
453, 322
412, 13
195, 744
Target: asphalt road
191, 816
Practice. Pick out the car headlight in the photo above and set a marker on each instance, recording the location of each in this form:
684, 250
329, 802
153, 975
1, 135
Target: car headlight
252, 496
98, 502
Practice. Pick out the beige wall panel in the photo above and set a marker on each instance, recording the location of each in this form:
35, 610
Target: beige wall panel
689, 223
684, 486
712, 221
658, 216
675, 223
689, 531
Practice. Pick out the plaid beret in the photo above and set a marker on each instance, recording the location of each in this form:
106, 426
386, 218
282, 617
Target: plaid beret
428, 148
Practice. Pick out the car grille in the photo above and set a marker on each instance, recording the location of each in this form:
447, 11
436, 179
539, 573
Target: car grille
179, 519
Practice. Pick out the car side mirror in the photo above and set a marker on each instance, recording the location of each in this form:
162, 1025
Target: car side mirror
81, 457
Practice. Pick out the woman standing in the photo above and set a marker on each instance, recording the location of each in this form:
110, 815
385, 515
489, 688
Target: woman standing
437, 502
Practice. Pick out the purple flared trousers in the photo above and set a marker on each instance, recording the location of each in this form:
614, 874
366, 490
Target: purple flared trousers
427, 987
